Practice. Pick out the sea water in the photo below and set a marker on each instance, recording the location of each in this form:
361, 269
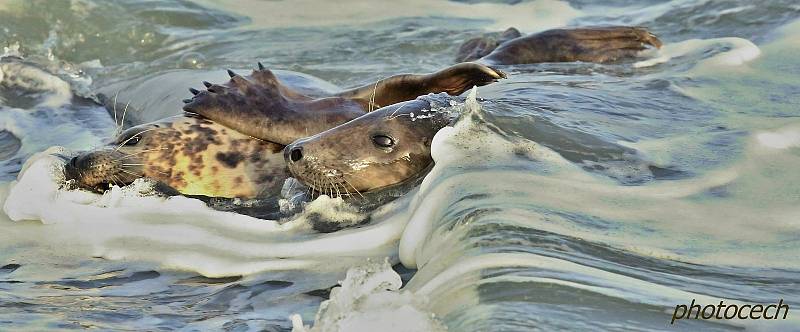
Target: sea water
567, 197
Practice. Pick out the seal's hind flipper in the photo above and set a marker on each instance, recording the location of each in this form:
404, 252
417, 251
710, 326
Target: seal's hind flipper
453, 80
252, 105
456, 79
259, 105
594, 44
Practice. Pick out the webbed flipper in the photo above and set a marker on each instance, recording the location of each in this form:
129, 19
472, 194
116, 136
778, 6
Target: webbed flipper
260, 106
453, 80
593, 44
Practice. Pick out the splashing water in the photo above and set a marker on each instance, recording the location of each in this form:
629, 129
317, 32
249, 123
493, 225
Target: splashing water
571, 197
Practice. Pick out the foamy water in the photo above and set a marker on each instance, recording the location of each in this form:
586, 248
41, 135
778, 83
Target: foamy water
569, 196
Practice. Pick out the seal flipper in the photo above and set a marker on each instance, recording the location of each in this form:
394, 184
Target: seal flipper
456, 79
453, 80
260, 106
479, 47
595, 44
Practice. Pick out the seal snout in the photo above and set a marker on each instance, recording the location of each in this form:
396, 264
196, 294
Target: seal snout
97, 170
79, 162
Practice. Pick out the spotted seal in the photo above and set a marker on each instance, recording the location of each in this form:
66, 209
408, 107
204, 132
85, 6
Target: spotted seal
239, 154
187, 153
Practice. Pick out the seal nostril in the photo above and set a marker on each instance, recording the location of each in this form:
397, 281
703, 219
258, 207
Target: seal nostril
296, 154
73, 162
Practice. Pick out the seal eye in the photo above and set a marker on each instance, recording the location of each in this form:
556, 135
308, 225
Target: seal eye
133, 140
383, 141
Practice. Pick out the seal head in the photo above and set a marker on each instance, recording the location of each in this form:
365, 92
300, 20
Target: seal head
379, 149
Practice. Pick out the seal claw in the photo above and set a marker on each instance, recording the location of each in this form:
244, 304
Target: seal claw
194, 91
260, 66
216, 88
207, 84
231, 73
240, 81
499, 73
186, 101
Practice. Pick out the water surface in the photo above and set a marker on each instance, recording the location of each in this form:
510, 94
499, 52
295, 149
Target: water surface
572, 196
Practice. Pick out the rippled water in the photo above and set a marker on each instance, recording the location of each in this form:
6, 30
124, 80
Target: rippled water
572, 196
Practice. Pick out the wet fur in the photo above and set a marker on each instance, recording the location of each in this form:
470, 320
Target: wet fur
590, 44
261, 106
192, 155
344, 161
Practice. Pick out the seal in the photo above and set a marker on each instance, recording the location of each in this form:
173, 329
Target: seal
380, 149
265, 108
391, 145
187, 153
238, 153
587, 44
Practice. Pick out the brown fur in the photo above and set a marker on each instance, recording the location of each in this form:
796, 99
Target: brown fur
345, 160
261, 106
591, 44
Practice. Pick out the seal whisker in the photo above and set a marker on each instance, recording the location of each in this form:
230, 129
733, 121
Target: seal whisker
354, 187
344, 189
160, 172
127, 171
124, 111
114, 180
347, 191
147, 150
391, 116
311, 188
374, 92
334, 187
130, 172
117, 126
132, 136
324, 189
291, 186
128, 155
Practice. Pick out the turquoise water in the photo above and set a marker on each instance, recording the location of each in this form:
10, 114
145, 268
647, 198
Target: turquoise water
572, 196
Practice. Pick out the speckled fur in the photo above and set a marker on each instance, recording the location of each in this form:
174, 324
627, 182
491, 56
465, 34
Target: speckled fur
184, 153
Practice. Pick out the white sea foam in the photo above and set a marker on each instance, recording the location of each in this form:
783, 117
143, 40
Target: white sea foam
182, 233
781, 139
29, 78
370, 299
741, 51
